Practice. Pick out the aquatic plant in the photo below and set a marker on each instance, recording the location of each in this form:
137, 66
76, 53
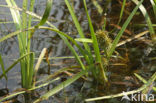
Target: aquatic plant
93, 63
24, 38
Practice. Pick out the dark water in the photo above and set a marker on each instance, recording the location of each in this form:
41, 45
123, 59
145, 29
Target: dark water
136, 54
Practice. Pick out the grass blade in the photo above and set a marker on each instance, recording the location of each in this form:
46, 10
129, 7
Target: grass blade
95, 44
21, 38
44, 17
29, 13
148, 20
10, 67
122, 10
62, 35
31, 68
151, 80
46, 12
84, 40
12, 34
52, 29
73, 51
154, 7
2, 66
75, 19
21, 92
99, 8
115, 42
63, 85
38, 64
143, 80
79, 29
16, 17
65, 37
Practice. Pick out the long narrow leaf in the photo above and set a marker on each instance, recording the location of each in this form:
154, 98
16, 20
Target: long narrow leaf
31, 89
62, 35
10, 67
122, 30
2, 66
151, 80
79, 29
143, 80
122, 10
44, 17
148, 20
21, 38
29, 13
84, 40
38, 64
31, 67
46, 12
95, 44
154, 7
63, 85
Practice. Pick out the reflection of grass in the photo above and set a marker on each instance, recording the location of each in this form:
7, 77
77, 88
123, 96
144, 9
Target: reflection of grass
93, 62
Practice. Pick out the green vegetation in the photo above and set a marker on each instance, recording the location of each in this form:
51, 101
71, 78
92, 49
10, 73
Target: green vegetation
89, 48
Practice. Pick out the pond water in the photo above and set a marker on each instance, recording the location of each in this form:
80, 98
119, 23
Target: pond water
136, 54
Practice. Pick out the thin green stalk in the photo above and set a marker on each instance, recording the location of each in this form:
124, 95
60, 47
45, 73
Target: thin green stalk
29, 13
31, 89
25, 64
95, 44
154, 7
99, 8
148, 20
10, 67
31, 67
2, 66
24, 39
30, 20
17, 21
142, 88
117, 38
105, 23
38, 65
30, 58
79, 29
64, 36
64, 84
143, 80
122, 11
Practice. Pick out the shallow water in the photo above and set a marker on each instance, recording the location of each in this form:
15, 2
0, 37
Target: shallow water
121, 77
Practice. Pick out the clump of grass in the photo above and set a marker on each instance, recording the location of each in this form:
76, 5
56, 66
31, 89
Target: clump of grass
93, 61
24, 38
96, 50
21, 23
